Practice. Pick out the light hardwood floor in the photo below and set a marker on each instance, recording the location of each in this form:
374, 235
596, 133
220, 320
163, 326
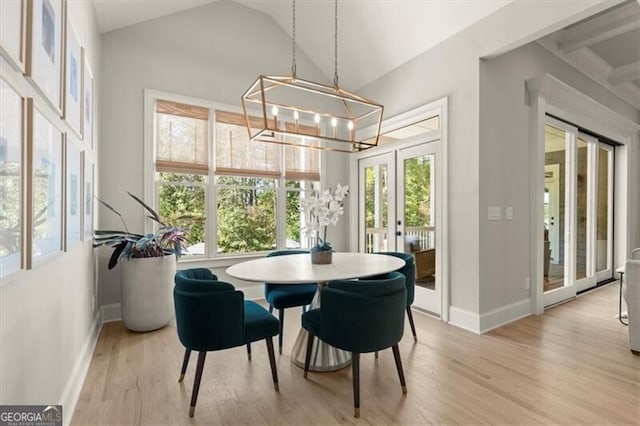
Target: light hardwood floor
570, 365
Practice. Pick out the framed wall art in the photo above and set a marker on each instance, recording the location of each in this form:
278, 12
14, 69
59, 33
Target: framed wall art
45, 187
87, 108
11, 142
73, 193
88, 197
12, 27
73, 81
44, 48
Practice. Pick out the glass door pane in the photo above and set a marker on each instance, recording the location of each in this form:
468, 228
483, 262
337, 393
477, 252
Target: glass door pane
376, 180
604, 226
555, 150
582, 210
586, 156
419, 226
417, 220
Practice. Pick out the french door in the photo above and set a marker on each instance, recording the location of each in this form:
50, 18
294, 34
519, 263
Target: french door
399, 209
578, 219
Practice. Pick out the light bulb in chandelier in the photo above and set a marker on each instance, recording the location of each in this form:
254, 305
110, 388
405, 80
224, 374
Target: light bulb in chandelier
274, 112
296, 117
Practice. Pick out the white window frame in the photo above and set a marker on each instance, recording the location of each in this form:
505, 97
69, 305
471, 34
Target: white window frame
151, 182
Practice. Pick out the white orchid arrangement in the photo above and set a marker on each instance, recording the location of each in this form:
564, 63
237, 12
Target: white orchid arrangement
324, 209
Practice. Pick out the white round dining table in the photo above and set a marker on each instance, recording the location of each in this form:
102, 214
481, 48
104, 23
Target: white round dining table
297, 269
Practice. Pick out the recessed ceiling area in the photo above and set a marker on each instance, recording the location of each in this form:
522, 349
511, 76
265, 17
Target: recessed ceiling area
605, 47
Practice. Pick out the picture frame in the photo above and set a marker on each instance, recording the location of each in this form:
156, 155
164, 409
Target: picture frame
44, 59
87, 106
44, 186
89, 176
73, 85
12, 136
73, 193
12, 32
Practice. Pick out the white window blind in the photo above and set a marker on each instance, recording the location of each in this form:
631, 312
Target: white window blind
182, 138
238, 156
301, 163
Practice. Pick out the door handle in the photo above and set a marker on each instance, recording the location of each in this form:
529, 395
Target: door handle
398, 233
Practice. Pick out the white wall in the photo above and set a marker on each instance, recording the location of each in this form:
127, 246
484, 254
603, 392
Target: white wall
505, 163
212, 52
47, 315
452, 69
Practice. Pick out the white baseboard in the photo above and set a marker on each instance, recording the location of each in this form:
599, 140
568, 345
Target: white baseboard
464, 319
504, 315
72, 389
111, 312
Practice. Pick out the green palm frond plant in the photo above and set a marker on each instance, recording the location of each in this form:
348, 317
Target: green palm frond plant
166, 241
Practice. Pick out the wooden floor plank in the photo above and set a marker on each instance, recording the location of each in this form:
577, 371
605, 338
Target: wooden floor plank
570, 365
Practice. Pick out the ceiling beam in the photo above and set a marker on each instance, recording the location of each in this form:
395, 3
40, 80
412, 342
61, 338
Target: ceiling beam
604, 27
624, 73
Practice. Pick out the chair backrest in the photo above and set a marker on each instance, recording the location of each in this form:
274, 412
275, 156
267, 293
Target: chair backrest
209, 314
363, 316
187, 278
269, 286
408, 270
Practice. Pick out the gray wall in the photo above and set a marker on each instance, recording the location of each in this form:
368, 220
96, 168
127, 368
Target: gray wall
452, 69
505, 163
48, 314
212, 52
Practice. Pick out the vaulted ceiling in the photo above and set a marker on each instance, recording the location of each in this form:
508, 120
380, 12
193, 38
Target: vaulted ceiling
605, 47
375, 36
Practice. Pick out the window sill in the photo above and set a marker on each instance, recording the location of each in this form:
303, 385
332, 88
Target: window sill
220, 262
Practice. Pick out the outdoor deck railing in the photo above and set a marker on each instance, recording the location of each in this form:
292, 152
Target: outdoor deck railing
421, 236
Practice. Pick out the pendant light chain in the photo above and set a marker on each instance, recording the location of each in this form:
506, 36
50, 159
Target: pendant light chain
293, 40
335, 75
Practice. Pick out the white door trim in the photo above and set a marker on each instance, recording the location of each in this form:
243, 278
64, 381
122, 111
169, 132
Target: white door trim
438, 107
547, 94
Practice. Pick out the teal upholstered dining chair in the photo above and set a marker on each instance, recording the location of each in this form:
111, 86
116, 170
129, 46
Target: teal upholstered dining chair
409, 272
360, 317
211, 315
283, 296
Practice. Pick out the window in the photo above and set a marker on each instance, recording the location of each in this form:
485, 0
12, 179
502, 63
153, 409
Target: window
236, 196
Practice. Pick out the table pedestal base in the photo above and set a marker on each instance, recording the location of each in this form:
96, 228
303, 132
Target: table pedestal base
323, 356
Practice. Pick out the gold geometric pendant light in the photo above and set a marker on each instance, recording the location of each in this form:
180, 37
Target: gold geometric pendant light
291, 111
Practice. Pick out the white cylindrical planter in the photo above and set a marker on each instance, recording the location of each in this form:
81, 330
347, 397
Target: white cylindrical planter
147, 292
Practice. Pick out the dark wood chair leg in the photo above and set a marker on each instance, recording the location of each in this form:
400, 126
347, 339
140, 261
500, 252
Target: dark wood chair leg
249, 351
196, 382
355, 363
272, 361
307, 358
376, 354
270, 309
280, 336
413, 327
185, 362
396, 356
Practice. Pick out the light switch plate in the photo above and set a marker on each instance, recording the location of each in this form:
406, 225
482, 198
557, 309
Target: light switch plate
508, 213
495, 213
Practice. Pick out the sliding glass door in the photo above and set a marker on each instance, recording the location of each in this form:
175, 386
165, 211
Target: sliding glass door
578, 200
